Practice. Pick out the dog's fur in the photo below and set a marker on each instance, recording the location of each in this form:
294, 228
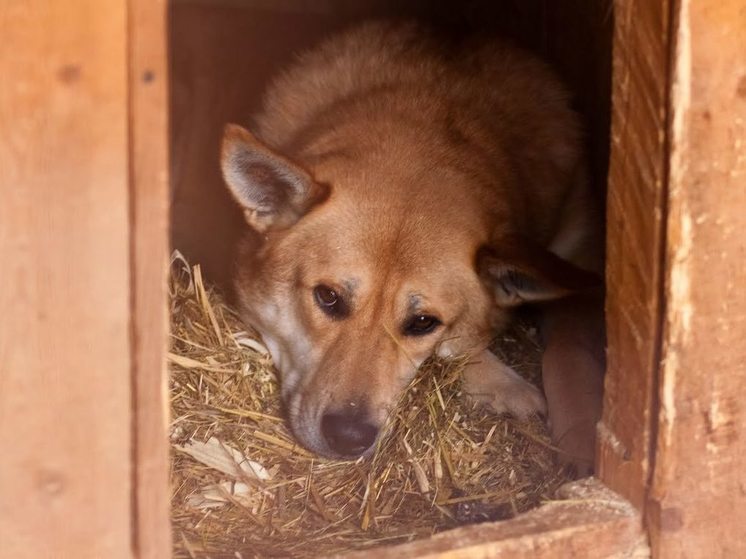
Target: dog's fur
413, 179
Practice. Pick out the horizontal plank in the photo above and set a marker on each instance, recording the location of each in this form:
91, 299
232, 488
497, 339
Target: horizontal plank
591, 522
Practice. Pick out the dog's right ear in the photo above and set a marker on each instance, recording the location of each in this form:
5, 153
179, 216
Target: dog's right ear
273, 192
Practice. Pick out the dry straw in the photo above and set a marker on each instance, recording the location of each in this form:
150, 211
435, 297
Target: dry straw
243, 488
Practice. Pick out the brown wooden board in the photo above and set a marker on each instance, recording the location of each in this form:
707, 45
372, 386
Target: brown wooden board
65, 417
697, 504
592, 522
635, 228
148, 106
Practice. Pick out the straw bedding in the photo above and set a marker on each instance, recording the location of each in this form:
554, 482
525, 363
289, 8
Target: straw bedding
242, 488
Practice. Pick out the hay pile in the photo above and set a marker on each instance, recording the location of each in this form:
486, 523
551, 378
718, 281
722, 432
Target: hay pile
242, 488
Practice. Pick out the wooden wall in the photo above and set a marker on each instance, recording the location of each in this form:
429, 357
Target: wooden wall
83, 218
65, 361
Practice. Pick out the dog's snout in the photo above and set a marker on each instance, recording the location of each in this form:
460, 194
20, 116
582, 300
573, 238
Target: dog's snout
348, 433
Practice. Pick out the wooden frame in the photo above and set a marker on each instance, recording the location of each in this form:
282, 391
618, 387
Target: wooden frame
696, 504
83, 219
635, 237
149, 214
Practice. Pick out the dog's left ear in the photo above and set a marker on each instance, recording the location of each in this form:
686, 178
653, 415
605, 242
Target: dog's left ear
273, 191
520, 272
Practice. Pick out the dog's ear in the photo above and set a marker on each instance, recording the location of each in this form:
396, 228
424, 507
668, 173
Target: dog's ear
273, 192
520, 272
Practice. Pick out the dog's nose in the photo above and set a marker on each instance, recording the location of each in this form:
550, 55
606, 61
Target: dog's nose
348, 433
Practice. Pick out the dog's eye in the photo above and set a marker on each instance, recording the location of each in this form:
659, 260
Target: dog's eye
330, 302
420, 325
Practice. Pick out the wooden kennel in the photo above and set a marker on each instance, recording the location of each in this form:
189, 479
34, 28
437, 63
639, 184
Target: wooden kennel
84, 217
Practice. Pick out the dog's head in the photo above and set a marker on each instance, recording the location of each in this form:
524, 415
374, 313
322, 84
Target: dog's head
353, 287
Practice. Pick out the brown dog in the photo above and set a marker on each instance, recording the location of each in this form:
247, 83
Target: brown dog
402, 198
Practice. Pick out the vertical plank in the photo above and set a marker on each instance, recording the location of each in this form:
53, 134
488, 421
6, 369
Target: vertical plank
634, 244
148, 81
65, 417
698, 497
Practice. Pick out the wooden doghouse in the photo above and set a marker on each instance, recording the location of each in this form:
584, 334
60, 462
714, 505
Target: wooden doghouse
84, 210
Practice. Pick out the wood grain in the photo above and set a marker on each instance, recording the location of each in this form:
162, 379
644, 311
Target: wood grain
697, 503
65, 421
635, 237
148, 105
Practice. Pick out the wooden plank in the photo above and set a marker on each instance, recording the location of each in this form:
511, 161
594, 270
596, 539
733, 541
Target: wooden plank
698, 498
635, 228
65, 422
592, 522
148, 80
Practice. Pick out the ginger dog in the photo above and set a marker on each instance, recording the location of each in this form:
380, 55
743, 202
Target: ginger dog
402, 198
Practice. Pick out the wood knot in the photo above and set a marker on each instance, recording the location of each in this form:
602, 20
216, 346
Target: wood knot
741, 87
50, 483
69, 73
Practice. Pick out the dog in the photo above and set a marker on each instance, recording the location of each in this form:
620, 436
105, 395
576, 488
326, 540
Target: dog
403, 196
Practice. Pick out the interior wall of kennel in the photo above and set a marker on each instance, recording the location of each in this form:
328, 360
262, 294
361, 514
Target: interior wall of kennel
84, 241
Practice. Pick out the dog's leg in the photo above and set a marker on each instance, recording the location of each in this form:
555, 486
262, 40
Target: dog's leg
490, 381
572, 369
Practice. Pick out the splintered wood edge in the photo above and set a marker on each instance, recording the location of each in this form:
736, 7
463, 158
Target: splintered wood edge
590, 521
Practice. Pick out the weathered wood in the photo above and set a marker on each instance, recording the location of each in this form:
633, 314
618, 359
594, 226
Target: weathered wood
65, 419
593, 522
697, 503
634, 244
148, 103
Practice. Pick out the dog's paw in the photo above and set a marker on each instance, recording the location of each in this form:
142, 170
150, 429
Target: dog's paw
577, 448
491, 382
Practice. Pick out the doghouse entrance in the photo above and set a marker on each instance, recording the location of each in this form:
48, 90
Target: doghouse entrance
222, 55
